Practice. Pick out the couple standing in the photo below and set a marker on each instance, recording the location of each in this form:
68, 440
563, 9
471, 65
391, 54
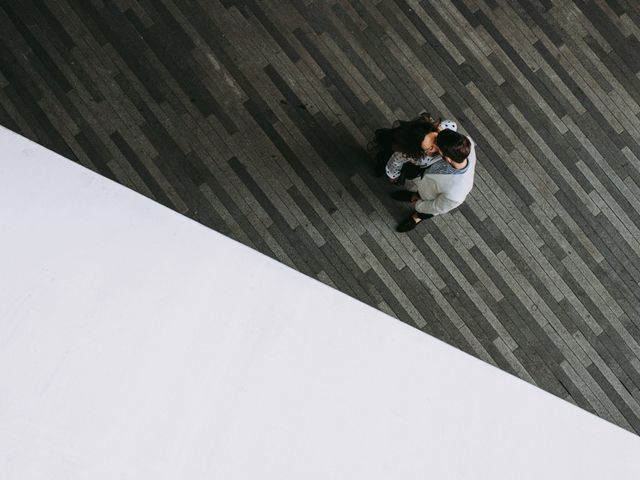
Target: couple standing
434, 162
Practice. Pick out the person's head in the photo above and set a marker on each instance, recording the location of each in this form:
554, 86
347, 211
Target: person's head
410, 136
429, 145
413, 139
453, 146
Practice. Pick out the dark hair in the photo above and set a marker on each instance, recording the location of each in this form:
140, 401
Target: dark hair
453, 145
406, 136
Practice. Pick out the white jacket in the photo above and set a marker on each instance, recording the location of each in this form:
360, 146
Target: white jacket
440, 193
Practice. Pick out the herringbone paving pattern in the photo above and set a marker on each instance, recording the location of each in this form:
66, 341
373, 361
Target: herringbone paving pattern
253, 117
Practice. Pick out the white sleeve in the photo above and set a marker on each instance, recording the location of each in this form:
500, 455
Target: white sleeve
394, 165
440, 204
450, 124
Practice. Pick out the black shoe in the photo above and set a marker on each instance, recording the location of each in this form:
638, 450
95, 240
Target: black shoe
407, 225
402, 195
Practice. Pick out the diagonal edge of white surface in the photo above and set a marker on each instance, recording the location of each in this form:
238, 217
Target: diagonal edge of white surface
138, 344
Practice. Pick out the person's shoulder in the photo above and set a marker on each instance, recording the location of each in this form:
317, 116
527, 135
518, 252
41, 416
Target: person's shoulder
448, 124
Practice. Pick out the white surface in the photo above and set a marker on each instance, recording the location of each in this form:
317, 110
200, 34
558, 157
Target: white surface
137, 344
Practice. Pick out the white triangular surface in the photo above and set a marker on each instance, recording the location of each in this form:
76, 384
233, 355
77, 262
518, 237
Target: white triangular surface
137, 344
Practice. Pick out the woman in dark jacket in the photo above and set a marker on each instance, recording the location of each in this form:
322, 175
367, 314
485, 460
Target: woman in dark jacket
404, 150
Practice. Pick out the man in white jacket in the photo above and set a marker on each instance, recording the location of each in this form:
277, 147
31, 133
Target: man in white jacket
445, 184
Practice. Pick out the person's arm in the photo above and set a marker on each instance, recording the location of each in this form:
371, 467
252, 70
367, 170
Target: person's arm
428, 160
440, 204
394, 165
